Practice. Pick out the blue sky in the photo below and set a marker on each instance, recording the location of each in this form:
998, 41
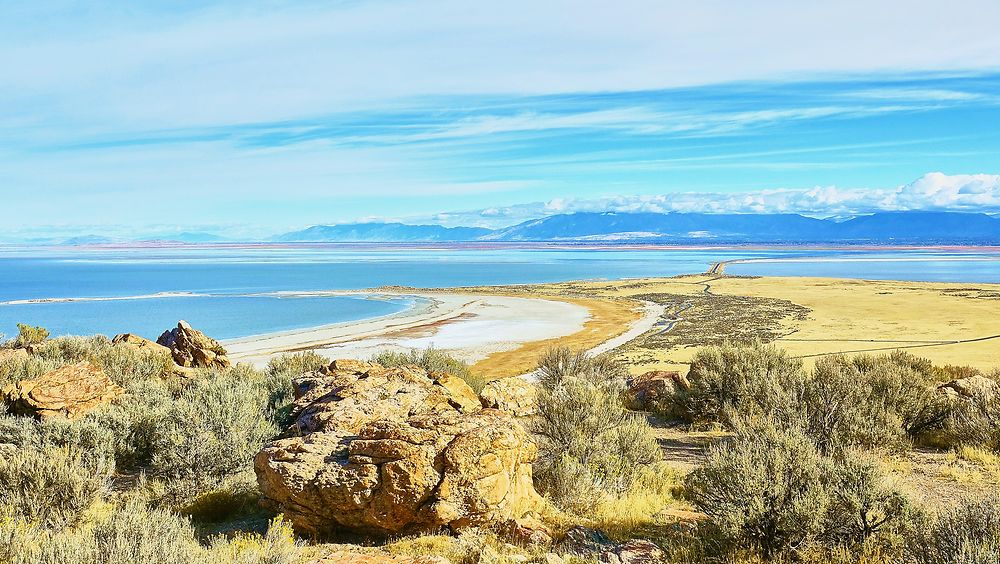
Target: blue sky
250, 118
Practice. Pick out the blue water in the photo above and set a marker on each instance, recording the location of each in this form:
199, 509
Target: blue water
227, 281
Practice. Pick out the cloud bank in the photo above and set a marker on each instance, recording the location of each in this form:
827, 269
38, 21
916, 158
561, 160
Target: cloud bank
934, 191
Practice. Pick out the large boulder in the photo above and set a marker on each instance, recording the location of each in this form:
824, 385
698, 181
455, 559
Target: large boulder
395, 450
655, 391
192, 348
512, 395
71, 391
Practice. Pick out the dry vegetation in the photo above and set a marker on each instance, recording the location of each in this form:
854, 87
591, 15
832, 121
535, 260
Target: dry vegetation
772, 459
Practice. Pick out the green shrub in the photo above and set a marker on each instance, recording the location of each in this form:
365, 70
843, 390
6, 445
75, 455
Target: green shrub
730, 382
863, 503
28, 335
296, 364
71, 349
16, 368
84, 439
132, 533
589, 444
49, 485
764, 489
872, 401
769, 489
134, 421
214, 428
433, 360
975, 420
966, 533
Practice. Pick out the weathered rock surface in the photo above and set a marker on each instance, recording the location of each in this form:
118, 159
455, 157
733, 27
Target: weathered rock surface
512, 395
11, 354
970, 387
71, 390
654, 391
192, 348
592, 544
395, 450
136, 342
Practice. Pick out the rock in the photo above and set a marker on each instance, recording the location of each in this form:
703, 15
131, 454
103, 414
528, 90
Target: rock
136, 342
13, 354
342, 557
512, 395
461, 393
191, 348
350, 365
971, 387
525, 532
654, 391
550, 558
71, 390
582, 542
395, 451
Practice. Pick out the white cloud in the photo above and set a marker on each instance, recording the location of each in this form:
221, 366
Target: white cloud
932, 191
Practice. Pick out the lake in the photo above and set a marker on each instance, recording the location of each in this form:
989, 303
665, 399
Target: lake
235, 291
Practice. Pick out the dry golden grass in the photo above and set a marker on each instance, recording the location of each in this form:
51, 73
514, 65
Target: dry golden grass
845, 316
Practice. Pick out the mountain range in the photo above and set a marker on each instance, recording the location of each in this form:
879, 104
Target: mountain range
909, 227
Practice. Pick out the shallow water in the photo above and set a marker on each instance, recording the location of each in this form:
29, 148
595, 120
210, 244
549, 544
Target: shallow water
225, 283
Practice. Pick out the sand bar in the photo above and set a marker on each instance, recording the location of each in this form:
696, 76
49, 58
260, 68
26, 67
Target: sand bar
469, 326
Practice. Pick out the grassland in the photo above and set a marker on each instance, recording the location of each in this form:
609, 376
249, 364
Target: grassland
949, 323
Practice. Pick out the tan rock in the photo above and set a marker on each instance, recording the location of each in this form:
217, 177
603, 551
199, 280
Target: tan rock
13, 354
512, 395
655, 391
192, 348
351, 365
134, 341
71, 390
971, 387
462, 395
395, 451
343, 557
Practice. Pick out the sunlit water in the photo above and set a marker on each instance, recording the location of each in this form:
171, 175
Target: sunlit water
230, 292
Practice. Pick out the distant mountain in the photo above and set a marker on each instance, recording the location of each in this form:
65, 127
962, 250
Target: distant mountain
383, 232
678, 226
83, 240
187, 237
883, 227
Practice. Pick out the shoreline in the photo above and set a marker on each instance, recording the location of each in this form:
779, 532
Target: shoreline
472, 326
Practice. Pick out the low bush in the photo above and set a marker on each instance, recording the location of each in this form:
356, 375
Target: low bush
730, 382
49, 486
28, 335
213, 428
967, 533
770, 489
133, 533
589, 444
433, 360
872, 401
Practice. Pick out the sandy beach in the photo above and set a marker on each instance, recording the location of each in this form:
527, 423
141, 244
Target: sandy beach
468, 326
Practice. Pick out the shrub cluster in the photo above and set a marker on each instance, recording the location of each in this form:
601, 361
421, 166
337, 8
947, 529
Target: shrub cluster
589, 444
867, 401
770, 489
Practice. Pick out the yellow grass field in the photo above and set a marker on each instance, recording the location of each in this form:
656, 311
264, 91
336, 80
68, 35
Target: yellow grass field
949, 323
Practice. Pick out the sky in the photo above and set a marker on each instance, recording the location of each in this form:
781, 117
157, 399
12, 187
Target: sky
248, 118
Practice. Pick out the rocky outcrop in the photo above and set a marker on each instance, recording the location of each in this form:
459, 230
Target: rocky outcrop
13, 354
512, 395
395, 450
70, 391
594, 545
971, 387
133, 341
655, 391
192, 348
